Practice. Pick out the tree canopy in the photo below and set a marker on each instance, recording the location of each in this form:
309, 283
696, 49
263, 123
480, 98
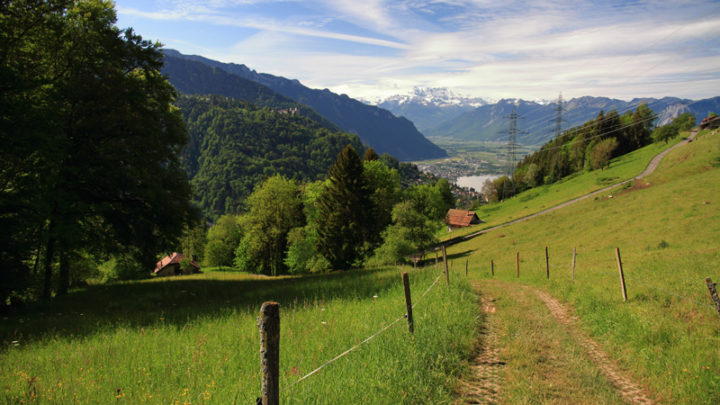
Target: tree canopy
90, 139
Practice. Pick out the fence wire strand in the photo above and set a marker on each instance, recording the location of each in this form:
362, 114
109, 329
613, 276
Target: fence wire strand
369, 338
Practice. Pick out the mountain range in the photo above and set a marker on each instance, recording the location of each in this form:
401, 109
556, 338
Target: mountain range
376, 127
427, 107
490, 122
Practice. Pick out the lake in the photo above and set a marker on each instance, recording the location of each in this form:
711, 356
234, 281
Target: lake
475, 182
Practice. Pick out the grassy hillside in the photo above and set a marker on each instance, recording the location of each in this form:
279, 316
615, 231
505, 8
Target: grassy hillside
549, 195
194, 339
667, 226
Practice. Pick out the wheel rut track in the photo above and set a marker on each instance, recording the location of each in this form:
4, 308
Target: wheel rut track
630, 391
484, 386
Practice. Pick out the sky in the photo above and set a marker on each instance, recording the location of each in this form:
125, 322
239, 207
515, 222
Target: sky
373, 49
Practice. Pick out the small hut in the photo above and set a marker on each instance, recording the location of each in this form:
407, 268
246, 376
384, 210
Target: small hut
461, 219
170, 265
710, 122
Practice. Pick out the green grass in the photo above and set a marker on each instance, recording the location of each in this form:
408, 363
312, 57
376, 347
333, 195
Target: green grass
194, 339
550, 195
667, 335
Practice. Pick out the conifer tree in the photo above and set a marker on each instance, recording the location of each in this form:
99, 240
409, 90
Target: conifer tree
343, 209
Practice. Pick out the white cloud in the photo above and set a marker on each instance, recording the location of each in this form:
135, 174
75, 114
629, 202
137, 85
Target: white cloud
479, 47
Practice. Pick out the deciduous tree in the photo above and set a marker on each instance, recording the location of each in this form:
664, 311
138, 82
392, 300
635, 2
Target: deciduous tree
99, 133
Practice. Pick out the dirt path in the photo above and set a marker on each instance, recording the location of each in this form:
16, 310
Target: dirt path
648, 170
629, 390
483, 387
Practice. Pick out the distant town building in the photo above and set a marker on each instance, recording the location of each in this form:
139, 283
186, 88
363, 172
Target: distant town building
291, 111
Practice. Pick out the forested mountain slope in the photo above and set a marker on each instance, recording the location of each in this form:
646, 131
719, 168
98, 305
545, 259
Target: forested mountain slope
233, 145
377, 128
192, 77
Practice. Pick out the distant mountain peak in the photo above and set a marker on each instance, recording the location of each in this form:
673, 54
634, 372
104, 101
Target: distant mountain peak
435, 96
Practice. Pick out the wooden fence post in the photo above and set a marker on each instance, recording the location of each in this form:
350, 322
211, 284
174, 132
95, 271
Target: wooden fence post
269, 325
547, 264
517, 265
573, 266
466, 267
492, 267
713, 293
408, 301
622, 275
447, 273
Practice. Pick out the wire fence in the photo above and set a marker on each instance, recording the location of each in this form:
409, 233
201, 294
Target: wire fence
600, 268
366, 340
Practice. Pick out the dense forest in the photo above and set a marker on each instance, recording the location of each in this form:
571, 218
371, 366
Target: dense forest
234, 145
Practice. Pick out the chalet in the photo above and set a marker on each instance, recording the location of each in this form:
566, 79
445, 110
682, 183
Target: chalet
170, 265
710, 122
460, 219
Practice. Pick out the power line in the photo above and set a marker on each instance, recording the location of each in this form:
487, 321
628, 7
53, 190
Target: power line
558, 117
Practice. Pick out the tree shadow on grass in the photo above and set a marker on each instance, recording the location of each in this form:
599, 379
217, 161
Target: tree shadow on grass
180, 300
461, 255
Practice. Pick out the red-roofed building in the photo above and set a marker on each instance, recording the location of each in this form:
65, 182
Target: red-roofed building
461, 218
170, 265
710, 122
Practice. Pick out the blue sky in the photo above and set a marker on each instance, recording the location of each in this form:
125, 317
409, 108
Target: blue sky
372, 49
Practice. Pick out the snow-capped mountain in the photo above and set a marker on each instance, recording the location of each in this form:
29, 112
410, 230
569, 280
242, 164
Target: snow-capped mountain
438, 96
426, 107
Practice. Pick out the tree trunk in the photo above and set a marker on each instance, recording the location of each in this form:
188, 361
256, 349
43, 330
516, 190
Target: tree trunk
38, 251
49, 253
64, 272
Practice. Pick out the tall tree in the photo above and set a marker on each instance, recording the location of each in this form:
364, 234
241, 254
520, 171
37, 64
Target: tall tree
343, 212
222, 240
275, 208
385, 190
106, 150
602, 152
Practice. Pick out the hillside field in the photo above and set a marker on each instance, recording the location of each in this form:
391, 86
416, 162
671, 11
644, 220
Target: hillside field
667, 226
195, 340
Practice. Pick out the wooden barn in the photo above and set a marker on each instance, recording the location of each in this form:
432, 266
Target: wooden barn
710, 122
461, 219
170, 265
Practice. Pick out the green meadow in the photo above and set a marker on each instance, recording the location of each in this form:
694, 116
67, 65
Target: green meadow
549, 195
667, 226
194, 339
